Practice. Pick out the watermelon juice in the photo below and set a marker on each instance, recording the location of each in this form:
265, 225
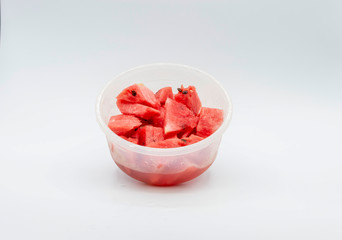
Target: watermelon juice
164, 170
160, 179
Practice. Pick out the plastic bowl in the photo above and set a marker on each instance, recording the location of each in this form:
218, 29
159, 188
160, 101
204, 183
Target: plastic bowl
160, 166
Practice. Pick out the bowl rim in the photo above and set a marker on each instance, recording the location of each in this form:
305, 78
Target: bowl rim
163, 151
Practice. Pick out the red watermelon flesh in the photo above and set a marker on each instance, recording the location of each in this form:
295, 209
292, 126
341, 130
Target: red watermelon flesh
123, 124
149, 134
138, 93
186, 133
163, 94
191, 140
210, 119
173, 124
189, 97
135, 134
167, 143
178, 117
137, 110
134, 137
131, 139
158, 120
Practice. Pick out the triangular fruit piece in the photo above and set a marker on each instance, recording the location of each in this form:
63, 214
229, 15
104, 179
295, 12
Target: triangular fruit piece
137, 110
163, 94
130, 139
134, 136
168, 143
190, 140
189, 97
178, 117
123, 124
138, 93
210, 119
158, 120
149, 134
185, 133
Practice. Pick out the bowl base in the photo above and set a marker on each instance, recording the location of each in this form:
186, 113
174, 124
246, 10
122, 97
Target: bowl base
159, 179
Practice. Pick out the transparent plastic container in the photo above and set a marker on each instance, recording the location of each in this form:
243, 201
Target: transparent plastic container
164, 166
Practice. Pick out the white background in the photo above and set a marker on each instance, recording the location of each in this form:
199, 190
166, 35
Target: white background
278, 174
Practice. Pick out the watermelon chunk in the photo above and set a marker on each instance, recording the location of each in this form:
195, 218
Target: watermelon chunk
163, 94
138, 93
178, 117
167, 143
135, 134
186, 133
134, 137
158, 120
190, 140
131, 139
123, 124
189, 97
149, 134
137, 110
210, 119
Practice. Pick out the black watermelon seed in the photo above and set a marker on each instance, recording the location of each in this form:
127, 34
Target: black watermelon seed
185, 92
179, 90
134, 93
183, 140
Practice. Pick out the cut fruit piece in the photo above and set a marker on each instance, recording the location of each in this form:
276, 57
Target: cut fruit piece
210, 120
123, 124
168, 143
149, 134
161, 121
178, 118
131, 139
190, 140
134, 136
163, 94
189, 97
186, 133
138, 93
158, 120
137, 110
